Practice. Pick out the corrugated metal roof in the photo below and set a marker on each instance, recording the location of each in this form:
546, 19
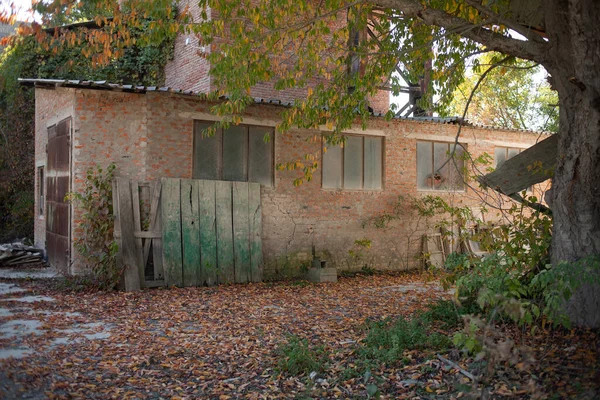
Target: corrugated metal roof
117, 87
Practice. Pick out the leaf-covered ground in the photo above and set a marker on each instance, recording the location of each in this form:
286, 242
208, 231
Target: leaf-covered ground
222, 342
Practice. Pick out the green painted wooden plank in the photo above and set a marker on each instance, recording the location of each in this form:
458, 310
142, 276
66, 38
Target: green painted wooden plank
171, 231
255, 234
190, 232
208, 233
224, 232
241, 233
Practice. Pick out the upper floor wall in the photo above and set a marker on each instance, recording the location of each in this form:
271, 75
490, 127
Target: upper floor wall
189, 69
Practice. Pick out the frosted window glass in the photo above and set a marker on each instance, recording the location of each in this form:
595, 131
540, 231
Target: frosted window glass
424, 165
353, 162
373, 163
207, 153
260, 167
500, 156
455, 168
332, 167
235, 142
512, 153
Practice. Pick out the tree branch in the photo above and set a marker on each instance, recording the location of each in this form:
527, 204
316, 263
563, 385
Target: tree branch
529, 50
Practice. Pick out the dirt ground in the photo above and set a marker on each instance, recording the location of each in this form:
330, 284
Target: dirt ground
217, 343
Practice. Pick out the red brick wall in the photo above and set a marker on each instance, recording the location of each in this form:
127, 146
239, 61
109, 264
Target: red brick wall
150, 136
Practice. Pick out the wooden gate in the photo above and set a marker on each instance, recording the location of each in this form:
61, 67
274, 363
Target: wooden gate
187, 232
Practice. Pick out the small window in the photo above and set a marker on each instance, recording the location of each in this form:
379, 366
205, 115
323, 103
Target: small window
435, 171
356, 165
503, 154
239, 153
41, 198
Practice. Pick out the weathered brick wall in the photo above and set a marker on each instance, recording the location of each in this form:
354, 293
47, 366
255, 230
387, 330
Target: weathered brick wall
188, 70
51, 107
150, 136
109, 127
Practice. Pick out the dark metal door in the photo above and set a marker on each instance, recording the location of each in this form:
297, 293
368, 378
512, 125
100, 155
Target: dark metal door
58, 184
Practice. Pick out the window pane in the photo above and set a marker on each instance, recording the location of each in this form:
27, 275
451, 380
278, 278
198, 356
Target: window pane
353, 162
424, 165
207, 153
455, 170
500, 156
373, 163
441, 165
332, 167
260, 167
512, 153
235, 142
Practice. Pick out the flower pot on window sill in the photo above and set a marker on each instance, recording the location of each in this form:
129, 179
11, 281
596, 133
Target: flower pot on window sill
435, 180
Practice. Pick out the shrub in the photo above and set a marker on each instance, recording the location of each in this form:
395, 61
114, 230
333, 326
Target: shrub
97, 245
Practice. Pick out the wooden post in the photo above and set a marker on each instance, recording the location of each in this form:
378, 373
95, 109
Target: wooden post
127, 245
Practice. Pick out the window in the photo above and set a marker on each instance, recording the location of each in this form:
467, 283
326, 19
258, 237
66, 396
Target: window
41, 190
239, 153
502, 154
434, 169
356, 165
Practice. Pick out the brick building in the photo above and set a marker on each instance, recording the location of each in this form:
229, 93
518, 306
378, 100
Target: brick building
151, 133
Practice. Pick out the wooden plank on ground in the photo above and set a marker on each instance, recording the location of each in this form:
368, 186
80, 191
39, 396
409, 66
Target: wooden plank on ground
128, 242
171, 232
241, 233
224, 232
208, 233
190, 232
255, 227
137, 226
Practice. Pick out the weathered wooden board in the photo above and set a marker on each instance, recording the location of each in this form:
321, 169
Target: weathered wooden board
241, 233
137, 226
190, 232
225, 257
255, 234
208, 233
531, 166
127, 245
171, 232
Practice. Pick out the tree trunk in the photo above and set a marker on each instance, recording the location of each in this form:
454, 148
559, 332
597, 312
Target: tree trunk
574, 32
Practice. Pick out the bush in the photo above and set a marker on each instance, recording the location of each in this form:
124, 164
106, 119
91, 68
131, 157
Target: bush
97, 245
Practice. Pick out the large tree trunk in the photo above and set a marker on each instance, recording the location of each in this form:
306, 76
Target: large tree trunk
574, 31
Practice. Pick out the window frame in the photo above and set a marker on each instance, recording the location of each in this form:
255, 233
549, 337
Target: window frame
220, 160
462, 189
41, 176
342, 162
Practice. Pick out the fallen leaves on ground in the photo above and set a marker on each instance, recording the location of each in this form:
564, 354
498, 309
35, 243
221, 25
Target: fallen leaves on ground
221, 343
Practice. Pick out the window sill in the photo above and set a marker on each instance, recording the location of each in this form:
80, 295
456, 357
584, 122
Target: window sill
342, 190
442, 190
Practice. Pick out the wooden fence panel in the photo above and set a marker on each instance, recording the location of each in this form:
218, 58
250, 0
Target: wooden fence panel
190, 232
127, 240
225, 257
241, 233
255, 234
171, 232
208, 233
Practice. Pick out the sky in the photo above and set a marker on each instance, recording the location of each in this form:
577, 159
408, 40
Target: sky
22, 8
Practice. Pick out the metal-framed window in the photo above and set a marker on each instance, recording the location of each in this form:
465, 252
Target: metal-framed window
358, 164
240, 153
434, 169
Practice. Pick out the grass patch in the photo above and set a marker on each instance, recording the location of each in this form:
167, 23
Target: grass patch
297, 357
